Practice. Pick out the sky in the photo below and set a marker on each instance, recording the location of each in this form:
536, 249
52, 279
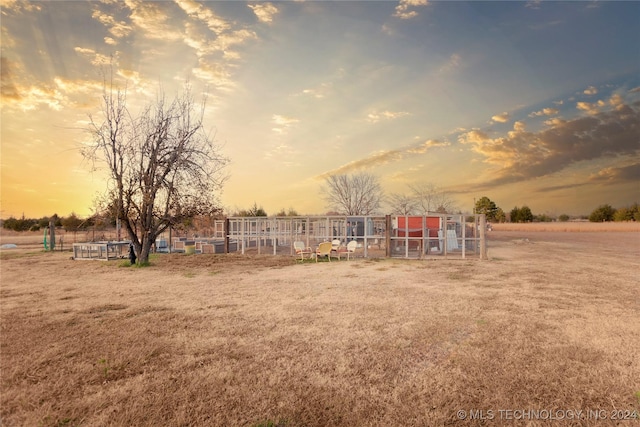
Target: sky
528, 103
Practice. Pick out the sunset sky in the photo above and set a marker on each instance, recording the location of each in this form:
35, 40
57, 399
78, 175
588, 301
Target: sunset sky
528, 103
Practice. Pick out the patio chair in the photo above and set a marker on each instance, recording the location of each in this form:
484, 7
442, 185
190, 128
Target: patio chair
302, 250
324, 249
351, 248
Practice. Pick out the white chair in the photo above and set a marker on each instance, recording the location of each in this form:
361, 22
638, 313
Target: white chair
349, 249
302, 250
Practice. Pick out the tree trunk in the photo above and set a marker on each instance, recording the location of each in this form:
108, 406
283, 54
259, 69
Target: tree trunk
146, 243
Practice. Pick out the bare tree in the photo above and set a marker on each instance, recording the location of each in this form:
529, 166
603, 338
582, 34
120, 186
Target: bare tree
357, 194
431, 198
163, 167
402, 204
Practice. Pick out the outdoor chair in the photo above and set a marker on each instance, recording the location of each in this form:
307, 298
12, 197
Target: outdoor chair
351, 248
302, 250
324, 249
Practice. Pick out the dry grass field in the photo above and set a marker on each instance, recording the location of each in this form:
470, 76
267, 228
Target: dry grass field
551, 322
571, 226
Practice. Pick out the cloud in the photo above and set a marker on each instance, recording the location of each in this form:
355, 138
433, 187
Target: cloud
224, 41
545, 112
150, 18
560, 187
264, 11
556, 121
207, 16
71, 87
118, 29
533, 4
215, 52
283, 120
96, 58
16, 6
591, 90
375, 117
475, 136
31, 97
56, 95
522, 155
214, 73
8, 88
588, 107
283, 123
383, 157
453, 63
319, 92
615, 175
425, 146
402, 9
376, 159
501, 118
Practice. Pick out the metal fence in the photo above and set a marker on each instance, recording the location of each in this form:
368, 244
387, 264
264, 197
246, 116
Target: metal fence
429, 236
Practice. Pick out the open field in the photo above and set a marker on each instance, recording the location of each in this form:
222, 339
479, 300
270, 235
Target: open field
550, 322
570, 226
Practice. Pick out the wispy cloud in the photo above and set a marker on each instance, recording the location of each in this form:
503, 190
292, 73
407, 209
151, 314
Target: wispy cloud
615, 175
118, 29
533, 4
319, 92
215, 74
588, 107
283, 123
545, 112
375, 116
152, 20
383, 157
17, 6
264, 11
404, 8
453, 63
591, 90
215, 23
501, 118
425, 146
94, 57
373, 160
215, 46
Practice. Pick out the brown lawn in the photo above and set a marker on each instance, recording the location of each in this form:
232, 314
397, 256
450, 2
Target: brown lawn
550, 322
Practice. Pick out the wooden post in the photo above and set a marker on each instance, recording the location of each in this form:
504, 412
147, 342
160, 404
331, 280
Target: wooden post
483, 235
226, 235
463, 223
52, 235
424, 243
387, 236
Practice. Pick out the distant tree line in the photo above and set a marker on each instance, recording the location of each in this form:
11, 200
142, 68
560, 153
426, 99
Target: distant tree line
524, 214
607, 213
484, 205
69, 223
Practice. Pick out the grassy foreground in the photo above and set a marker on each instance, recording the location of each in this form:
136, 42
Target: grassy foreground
549, 323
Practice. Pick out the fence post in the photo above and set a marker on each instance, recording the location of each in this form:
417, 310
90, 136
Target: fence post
225, 231
483, 237
387, 236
